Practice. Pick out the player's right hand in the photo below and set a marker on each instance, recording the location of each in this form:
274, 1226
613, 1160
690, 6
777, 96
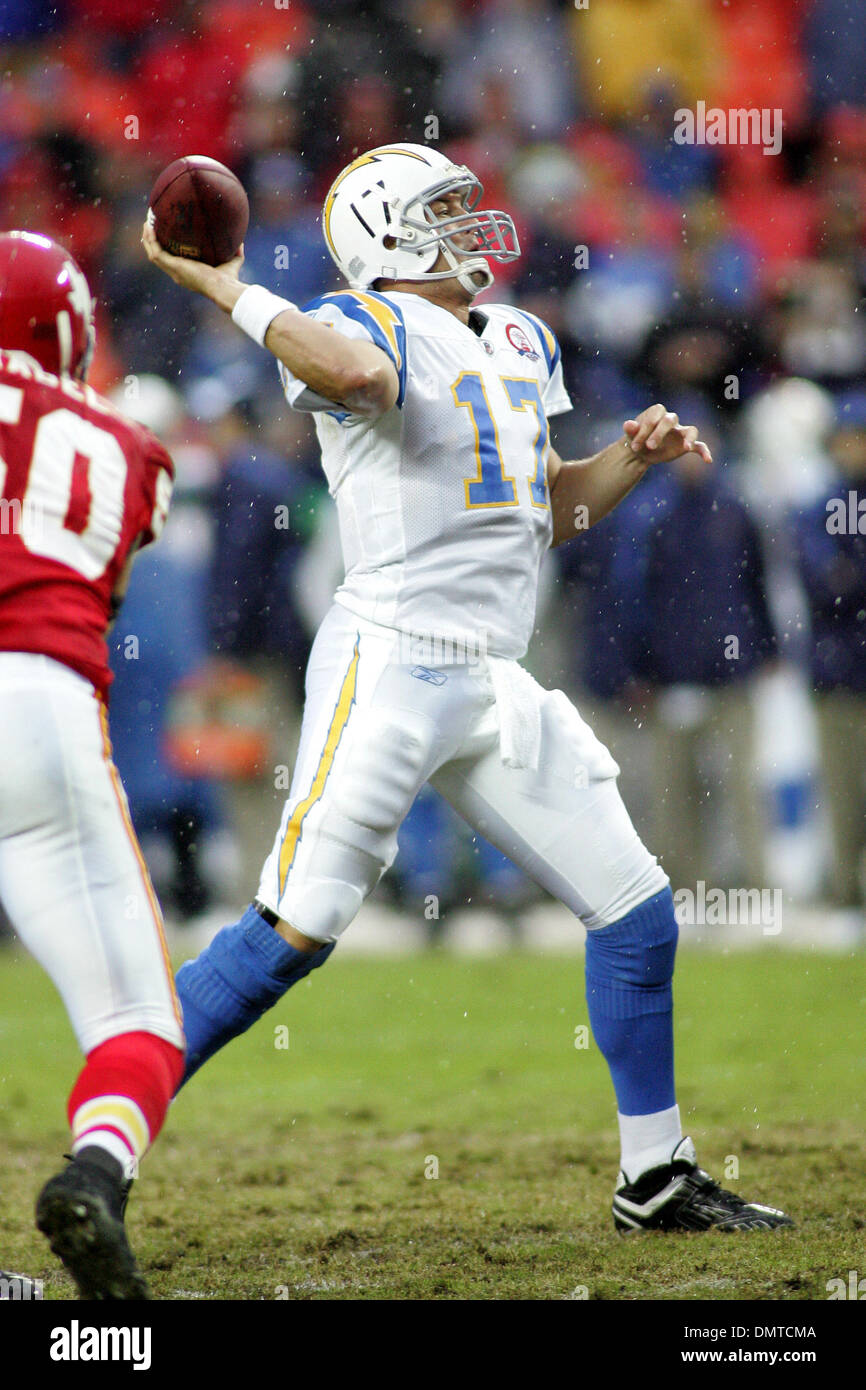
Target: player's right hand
191, 274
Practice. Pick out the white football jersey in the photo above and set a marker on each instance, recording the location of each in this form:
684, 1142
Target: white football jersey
443, 502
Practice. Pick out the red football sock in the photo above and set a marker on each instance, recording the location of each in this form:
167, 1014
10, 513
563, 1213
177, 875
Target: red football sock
121, 1097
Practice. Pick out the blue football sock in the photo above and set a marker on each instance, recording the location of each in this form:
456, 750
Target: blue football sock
241, 974
629, 969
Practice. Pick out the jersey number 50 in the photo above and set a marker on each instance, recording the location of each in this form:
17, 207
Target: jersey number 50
72, 509
491, 487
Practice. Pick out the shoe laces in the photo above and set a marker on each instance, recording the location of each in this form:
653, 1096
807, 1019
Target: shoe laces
708, 1187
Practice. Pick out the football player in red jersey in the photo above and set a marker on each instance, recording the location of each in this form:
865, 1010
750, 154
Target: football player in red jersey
81, 489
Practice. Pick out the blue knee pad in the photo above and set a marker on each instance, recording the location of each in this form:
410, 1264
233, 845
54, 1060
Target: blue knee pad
241, 974
629, 969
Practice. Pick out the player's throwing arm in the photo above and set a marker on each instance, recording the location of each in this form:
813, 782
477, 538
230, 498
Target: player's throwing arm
355, 374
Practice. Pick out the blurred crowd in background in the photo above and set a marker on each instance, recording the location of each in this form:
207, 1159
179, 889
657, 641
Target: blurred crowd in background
713, 629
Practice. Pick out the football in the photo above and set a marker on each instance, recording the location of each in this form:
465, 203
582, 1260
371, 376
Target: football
199, 209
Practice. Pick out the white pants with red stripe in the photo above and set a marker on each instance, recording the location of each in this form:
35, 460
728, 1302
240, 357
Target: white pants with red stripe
378, 725
72, 879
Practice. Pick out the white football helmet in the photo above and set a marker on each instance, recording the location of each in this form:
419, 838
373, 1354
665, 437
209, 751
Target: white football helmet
379, 225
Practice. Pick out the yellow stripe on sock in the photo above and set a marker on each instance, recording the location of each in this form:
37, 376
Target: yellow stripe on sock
118, 1112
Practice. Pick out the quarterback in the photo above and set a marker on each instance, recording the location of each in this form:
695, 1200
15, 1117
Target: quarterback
81, 489
432, 417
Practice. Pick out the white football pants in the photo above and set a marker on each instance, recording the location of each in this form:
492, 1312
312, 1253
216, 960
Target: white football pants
377, 726
72, 879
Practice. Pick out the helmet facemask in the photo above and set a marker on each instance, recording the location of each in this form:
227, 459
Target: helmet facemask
419, 229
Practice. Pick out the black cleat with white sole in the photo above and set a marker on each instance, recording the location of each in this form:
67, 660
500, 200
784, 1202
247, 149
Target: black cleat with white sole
81, 1212
680, 1196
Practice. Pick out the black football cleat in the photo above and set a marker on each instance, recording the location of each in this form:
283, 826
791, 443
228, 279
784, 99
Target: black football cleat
680, 1196
81, 1212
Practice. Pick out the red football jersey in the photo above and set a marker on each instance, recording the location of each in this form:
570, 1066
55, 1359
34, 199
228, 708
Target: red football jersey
80, 485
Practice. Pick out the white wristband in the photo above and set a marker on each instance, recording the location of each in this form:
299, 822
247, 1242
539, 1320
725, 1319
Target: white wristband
256, 310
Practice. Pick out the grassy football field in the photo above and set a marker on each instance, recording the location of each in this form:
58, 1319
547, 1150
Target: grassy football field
299, 1164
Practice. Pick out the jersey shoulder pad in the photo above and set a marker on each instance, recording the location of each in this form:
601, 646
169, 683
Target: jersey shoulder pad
379, 316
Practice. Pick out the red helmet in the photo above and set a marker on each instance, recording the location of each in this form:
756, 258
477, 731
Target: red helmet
46, 309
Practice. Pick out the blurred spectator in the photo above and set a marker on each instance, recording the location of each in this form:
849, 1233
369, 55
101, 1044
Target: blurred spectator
160, 637
226, 359
261, 524
670, 169
187, 78
761, 58
520, 47
604, 572
51, 187
268, 120
831, 550
625, 46
615, 304
21, 20
717, 259
151, 318
819, 324
702, 342
284, 248
706, 633
835, 45
779, 217
544, 185
366, 80
785, 429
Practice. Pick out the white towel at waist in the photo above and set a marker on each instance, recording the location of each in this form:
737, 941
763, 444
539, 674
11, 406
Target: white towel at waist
518, 702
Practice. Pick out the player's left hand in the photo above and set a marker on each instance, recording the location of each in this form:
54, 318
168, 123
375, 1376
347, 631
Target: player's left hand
657, 436
192, 275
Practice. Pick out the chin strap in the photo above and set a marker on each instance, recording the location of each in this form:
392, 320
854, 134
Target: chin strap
464, 271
